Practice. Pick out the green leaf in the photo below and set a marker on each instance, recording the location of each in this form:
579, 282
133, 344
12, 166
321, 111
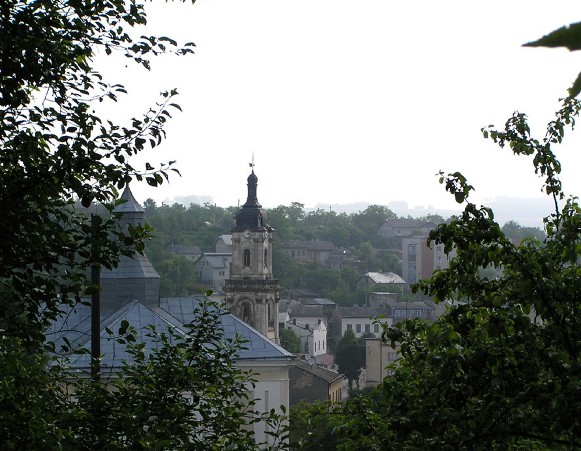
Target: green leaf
576, 88
567, 36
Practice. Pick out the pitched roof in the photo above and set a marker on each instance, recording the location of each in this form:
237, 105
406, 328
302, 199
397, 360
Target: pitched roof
137, 266
218, 260
316, 301
226, 238
384, 277
318, 371
298, 310
258, 346
75, 326
362, 312
129, 205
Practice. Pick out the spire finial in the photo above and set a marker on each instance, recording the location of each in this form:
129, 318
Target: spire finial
252, 164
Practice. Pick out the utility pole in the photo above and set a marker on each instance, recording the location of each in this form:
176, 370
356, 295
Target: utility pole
95, 303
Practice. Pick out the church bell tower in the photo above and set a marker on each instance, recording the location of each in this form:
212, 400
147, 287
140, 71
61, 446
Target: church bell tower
251, 293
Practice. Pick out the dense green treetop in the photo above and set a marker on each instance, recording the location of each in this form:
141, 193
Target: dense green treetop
290, 341
201, 225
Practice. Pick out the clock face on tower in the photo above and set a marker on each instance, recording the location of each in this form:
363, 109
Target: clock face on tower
247, 234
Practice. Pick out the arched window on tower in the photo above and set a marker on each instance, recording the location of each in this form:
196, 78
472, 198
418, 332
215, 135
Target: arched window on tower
266, 258
246, 257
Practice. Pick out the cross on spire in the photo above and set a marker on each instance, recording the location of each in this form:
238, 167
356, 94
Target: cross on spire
252, 164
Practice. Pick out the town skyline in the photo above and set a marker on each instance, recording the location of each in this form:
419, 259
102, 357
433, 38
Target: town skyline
341, 105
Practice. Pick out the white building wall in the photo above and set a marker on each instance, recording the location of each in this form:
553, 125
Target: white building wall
360, 326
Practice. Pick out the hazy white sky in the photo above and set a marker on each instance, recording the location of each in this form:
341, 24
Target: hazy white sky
344, 101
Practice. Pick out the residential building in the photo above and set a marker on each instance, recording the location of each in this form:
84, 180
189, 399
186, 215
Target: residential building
223, 244
404, 227
341, 258
190, 253
384, 279
401, 311
382, 299
360, 320
309, 252
313, 339
312, 383
419, 260
378, 355
308, 322
214, 269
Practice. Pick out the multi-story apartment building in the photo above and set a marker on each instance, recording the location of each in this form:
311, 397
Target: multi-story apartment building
419, 261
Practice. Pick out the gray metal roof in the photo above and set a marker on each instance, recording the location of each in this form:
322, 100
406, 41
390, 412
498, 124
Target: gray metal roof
130, 205
298, 310
384, 277
172, 313
317, 301
218, 260
258, 346
138, 266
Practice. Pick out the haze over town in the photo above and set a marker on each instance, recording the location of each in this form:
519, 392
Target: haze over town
355, 104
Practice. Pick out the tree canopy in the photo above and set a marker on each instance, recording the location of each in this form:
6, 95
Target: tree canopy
60, 162
501, 368
58, 154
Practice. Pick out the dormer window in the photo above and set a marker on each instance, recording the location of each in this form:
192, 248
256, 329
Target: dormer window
247, 257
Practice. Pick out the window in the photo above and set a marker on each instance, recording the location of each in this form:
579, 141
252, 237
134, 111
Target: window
397, 313
412, 313
349, 326
376, 328
358, 328
368, 328
221, 273
246, 257
266, 258
419, 313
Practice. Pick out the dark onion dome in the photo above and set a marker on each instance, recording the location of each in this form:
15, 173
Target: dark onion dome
252, 216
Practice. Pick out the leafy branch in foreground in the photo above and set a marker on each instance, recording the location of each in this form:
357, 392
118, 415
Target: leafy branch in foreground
58, 154
501, 368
